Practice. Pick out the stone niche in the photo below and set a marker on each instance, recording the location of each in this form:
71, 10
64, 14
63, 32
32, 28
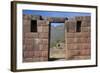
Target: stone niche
36, 37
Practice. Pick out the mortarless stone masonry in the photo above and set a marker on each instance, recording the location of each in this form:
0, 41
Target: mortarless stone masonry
36, 44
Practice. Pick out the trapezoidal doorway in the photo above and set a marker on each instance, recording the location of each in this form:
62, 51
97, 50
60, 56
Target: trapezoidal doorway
57, 42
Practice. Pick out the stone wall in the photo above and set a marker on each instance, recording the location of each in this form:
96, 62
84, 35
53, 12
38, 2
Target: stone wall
36, 44
78, 44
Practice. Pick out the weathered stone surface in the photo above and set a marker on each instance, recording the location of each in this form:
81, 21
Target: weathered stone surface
28, 54
78, 18
78, 40
43, 35
43, 29
28, 47
85, 29
37, 41
83, 18
43, 59
35, 59
40, 29
86, 52
43, 47
72, 53
28, 60
28, 41
70, 35
71, 40
85, 24
46, 29
26, 22
71, 29
44, 54
86, 18
83, 40
27, 17
55, 19
81, 57
44, 41
42, 23
72, 46
35, 17
26, 29
31, 35
37, 54
82, 34
36, 44
71, 26
84, 46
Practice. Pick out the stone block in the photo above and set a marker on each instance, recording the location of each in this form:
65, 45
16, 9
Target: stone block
86, 24
79, 18
28, 41
26, 22
83, 40
31, 35
44, 42
70, 35
36, 47
37, 41
82, 35
44, 54
26, 29
72, 46
71, 30
43, 47
86, 18
35, 17
36, 59
84, 46
78, 35
81, 57
71, 40
85, 29
37, 54
42, 23
28, 16
55, 19
28, 54
46, 29
72, 53
44, 35
43, 28
28, 60
40, 29
83, 18
26, 26
28, 47
71, 27
43, 59
86, 52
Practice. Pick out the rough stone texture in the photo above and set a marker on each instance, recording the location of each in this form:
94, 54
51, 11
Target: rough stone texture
55, 19
36, 44
78, 44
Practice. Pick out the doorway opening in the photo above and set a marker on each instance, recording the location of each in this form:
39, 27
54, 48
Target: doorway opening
57, 41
